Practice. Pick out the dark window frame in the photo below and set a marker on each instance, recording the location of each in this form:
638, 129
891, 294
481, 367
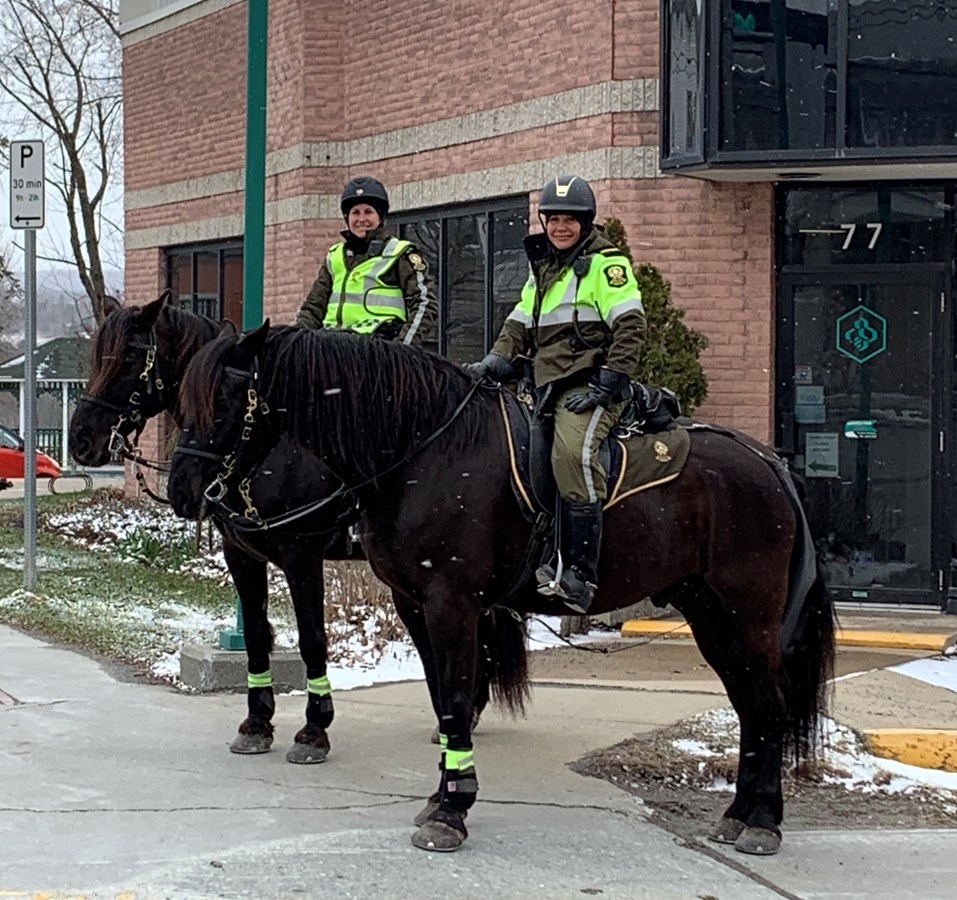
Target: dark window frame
486, 208
714, 157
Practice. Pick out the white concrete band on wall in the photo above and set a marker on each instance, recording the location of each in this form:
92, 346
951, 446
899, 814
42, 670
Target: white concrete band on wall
602, 164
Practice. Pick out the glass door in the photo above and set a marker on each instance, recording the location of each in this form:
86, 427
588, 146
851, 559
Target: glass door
861, 419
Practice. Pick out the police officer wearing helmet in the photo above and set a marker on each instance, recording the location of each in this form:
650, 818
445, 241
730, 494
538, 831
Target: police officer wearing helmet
371, 282
581, 320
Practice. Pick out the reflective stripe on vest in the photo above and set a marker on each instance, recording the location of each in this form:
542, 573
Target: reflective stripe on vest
587, 299
360, 300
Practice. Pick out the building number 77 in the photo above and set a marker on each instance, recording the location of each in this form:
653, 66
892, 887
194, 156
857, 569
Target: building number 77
850, 228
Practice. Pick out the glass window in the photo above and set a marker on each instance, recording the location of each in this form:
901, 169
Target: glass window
208, 280
180, 267
206, 295
902, 73
509, 264
233, 287
684, 28
778, 75
478, 259
865, 226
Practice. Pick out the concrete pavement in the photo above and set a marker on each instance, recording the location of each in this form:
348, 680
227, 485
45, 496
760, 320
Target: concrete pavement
117, 789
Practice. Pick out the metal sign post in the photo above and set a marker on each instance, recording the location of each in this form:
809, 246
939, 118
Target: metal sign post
28, 213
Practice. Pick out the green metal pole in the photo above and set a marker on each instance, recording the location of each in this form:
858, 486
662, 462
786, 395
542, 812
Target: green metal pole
254, 240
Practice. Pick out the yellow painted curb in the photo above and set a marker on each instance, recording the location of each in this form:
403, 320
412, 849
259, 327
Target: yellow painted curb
895, 640
845, 637
925, 747
660, 627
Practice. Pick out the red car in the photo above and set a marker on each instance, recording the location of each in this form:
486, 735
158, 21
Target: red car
11, 459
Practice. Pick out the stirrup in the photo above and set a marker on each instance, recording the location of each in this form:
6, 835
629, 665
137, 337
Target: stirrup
550, 580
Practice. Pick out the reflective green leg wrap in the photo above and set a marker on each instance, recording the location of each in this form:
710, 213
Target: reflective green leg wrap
319, 710
459, 781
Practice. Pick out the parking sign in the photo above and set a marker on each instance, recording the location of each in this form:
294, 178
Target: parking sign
27, 184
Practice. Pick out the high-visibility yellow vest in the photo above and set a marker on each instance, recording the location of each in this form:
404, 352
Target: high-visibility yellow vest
603, 293
361, 301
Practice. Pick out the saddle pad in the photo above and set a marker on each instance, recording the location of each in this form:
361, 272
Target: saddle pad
639, 462
648, 461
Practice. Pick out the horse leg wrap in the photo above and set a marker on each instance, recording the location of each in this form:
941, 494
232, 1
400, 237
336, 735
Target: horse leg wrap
319, 709
459, 789
261, 705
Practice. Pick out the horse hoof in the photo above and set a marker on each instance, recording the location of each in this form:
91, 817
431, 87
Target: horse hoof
251, 743
438, 837
726, 831
758, 841
306, 754
435, 735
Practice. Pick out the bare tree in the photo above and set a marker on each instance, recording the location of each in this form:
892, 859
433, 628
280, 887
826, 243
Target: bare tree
11, 308
60, 66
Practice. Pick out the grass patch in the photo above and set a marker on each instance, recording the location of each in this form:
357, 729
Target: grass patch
122, 577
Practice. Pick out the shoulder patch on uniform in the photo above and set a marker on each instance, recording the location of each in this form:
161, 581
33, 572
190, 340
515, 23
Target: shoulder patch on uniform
617, 276
417, 262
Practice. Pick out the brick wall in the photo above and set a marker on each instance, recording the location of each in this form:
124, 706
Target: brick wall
339, 72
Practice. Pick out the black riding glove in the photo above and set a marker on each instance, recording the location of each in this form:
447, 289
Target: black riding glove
608, 388
496, 367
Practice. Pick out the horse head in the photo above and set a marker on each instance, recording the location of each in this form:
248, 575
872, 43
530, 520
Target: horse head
226, 426
127, 382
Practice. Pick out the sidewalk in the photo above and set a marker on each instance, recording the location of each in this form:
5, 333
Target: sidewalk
902, 716
113, 788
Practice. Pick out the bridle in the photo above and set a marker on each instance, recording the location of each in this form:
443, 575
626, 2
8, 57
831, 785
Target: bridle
216, 490
258, 411
151, 384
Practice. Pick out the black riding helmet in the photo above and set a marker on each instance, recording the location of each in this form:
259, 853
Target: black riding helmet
568, 194
365, 189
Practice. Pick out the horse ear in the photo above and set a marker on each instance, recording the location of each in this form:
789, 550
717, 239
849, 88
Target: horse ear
253, 341
152, 310
110, 305
226, 327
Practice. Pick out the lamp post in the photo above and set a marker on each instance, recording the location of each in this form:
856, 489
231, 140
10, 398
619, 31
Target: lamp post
254, 237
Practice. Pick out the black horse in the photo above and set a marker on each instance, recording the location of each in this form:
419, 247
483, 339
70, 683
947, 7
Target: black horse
139, 355
424, 447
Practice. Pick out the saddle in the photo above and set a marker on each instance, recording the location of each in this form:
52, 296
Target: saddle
646, 448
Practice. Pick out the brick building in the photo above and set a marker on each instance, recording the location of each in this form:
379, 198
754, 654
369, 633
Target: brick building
774, 167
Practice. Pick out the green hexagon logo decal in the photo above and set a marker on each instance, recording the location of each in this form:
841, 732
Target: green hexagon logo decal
861, 334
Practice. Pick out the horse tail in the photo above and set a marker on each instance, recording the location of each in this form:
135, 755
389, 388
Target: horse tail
808, 636
503, 658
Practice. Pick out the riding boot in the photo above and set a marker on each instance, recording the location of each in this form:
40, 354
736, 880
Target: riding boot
579, 580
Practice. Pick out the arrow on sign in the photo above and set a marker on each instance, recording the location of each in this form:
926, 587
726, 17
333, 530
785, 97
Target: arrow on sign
27, 219
816, 466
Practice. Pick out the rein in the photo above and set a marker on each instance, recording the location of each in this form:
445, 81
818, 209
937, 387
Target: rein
250, 520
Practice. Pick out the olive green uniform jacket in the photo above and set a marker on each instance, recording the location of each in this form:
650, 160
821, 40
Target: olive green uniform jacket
563, 351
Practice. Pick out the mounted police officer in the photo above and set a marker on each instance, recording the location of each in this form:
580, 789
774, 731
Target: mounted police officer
371, 281
581, 320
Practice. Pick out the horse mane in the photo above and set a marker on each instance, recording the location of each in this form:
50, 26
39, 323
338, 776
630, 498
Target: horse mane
110, 340
359, 403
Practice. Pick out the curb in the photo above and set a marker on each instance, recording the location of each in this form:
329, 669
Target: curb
844, 637
929, 748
